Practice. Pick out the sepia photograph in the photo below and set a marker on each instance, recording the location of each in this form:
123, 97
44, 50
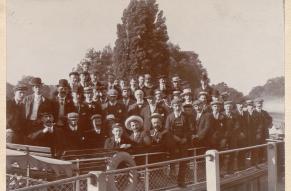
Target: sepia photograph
145, 95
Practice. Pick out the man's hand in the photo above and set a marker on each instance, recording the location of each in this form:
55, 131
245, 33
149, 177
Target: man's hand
125, 146
45, 130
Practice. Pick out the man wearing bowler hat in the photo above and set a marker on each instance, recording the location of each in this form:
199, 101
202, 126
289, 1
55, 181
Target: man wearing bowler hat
35, 104
15, 116
48, 134
62, 104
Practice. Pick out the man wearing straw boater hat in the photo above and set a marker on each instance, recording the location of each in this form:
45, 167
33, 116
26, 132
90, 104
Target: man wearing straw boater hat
138, 136
35, 103
15, 116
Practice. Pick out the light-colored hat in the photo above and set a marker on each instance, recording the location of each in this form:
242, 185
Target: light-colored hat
112, 92
203, 93
249, 102
215, 103
258, 100
197, 102
186, 92
156, 115
228, 103
73, 115
133, 118
110, 117
176, 79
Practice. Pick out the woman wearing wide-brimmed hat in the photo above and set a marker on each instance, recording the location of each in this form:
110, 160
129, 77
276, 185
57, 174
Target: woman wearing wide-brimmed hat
139, 137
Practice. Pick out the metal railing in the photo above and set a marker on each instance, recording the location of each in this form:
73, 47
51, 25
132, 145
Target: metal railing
97, 180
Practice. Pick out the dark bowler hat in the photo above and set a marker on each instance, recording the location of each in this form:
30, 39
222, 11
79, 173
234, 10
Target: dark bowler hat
187, 105
215, 103
215, 93
20, 87
36, 82
240, 101
125, 88
74, 73
45, 113
63, 83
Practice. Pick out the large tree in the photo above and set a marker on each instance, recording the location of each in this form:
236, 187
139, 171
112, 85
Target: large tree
141, 44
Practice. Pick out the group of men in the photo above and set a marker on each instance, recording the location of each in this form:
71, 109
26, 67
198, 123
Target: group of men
86, 113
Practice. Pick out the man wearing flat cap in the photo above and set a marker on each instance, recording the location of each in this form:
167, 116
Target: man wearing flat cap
114, 107
138, 136
264, 124
187, 96
35, 104
48, 134
178, 127
62, 104
15, 116
74, 135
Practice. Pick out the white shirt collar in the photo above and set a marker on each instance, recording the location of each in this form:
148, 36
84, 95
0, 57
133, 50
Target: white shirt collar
177, 114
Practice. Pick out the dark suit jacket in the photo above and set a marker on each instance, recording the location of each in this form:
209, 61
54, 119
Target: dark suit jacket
170, 125
130, 102
143, 139
264, 121
134, 109
202, 126
118, 110
54, 140
69, 107
15, 120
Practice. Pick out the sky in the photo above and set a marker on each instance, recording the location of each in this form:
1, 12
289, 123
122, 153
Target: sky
239, 42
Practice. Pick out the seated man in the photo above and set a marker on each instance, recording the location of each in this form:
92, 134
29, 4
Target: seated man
96, 135
117, 140
138, 136
48, 135
75, 138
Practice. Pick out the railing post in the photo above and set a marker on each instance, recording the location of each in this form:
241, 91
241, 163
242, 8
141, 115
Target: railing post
212, 171
272, 167
147, 181
195, 167
97, 181
78, 173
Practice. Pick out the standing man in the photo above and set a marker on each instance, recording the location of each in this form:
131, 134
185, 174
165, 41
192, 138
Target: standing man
176, 83
148, 85
126, 99
140, 82
15, 116
94, 78
177, 125
74, 80
35, 104
62, 103
86, 66
135, 109
84, 79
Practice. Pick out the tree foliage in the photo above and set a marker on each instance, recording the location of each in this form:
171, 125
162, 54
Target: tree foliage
274, 87
141, 44
234, 94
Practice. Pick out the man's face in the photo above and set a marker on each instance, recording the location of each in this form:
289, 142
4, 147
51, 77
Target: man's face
133, 83
121, 83
83, 77
97, 122
198, 108
141, 80
176, 107
74, 79
215, 108
117, 132
147, 81
94, 77
139, 95
188, 97
151, 100
73, 122
48, 120
250, 107
214, 98
158, 96
134, 125
116, 82
156, 123
36, 89
175, 84
125, 93
62, 91
110, 79
162, 81
19, 95
112, 98
228, 108
203, 98
239, 107
88, 96
85, 67
188, 110
259, 105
